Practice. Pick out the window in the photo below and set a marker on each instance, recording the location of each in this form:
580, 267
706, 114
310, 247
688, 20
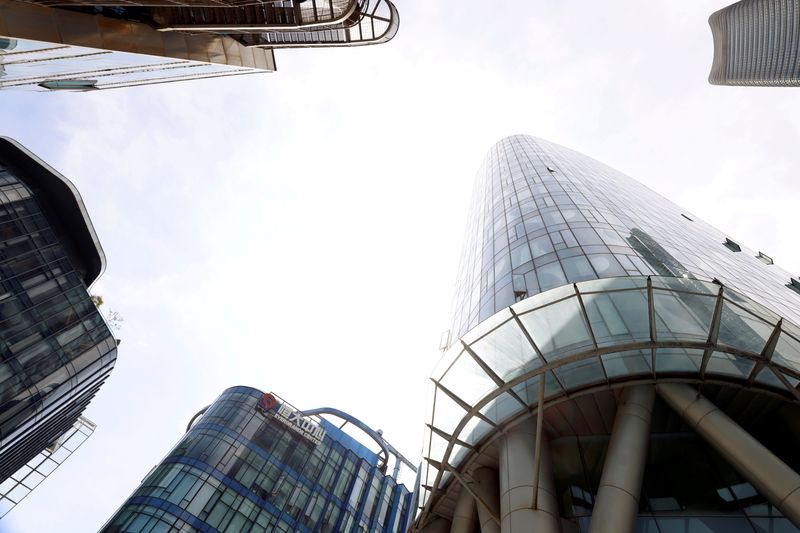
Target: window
794, 284
732, 246
765, 258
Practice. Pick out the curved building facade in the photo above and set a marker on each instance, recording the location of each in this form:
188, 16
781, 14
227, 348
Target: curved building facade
756, 43
252, 462
56, 348
662, 355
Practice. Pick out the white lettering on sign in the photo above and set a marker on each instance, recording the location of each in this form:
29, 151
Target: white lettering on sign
302, 425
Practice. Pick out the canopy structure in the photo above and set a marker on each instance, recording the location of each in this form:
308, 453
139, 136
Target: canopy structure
592, 336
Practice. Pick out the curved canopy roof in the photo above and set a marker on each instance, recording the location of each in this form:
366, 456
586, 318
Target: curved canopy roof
591, 336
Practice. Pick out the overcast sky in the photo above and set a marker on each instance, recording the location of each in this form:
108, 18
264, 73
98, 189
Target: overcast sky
300, 231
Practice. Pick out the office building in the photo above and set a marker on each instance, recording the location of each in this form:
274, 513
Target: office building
756, 43
56, 348
252, 462
23, 481
662, 354
81, 45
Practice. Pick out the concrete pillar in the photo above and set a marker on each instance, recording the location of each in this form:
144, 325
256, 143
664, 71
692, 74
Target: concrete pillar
771, 476
517, 474
621, 483
464, 514
438, 525
486, 486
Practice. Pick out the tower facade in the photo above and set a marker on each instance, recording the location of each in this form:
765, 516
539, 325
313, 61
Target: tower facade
606, 347
56, 348
252, 462
756, 43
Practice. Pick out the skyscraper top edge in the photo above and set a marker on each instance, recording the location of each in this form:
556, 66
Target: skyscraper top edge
62, 204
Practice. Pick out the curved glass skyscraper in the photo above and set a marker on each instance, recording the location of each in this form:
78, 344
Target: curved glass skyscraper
662, 355
252, 462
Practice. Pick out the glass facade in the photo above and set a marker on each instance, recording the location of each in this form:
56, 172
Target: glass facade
544, 216
577, 282
756, 43
250, 464
56, 348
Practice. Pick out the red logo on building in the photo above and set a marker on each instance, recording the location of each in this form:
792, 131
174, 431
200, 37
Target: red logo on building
267, 401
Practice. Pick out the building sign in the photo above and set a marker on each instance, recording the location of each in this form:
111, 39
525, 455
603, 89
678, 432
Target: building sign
292, 418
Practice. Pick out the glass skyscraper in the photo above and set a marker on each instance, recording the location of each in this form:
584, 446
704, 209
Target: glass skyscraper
252, 462
82, 45
662, 354
56, 348
756, 43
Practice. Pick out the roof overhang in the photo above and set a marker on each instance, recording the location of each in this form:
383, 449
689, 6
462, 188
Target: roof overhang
61, 204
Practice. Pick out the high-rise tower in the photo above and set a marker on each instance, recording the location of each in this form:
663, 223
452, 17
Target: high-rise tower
663, 356
56, 348
756, 42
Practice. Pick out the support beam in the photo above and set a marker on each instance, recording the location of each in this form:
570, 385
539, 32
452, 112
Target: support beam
621, 483
486, 485
771, 476
518, 470
464, 514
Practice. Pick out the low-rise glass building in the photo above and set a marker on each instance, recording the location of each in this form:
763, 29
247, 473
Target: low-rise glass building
56, 348
252, 462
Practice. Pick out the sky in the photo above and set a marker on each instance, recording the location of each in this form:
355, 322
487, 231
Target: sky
300, 231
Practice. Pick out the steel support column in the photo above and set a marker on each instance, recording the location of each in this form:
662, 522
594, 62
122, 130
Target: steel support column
464, 514
621, 483
518, 470
771, 476
486, 486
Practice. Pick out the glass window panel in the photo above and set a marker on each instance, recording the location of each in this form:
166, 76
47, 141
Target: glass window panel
678, 360
447, 413
787, 352
768, 377
520, 255
683, 315
577, 269
558, 328
629, 363
742, 330
586, 236
606, 265
541, 246
474, 430
507, 351
501, 408
580, 373
467, 380
618, 317
729, 365
550, 276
